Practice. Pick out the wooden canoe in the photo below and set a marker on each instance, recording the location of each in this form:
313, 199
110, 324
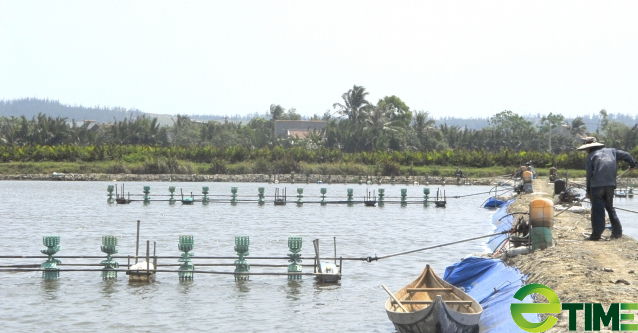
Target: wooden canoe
431, 304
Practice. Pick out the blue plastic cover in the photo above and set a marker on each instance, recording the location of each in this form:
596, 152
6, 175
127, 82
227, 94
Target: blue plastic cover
502, 223
493, 285
493, 203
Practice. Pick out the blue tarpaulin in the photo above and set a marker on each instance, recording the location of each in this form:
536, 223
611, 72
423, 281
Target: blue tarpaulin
493, 203
493, 285
491, 282
502, 223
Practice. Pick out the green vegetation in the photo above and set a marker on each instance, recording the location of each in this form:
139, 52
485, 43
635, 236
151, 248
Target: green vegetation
241, 160
360, 137
14, 168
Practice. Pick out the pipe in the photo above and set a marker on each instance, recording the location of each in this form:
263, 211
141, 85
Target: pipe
159, 270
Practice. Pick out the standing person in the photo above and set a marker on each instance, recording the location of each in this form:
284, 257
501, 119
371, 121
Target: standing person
601, 168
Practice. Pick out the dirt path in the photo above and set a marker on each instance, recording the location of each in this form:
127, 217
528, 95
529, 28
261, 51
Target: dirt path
578, 270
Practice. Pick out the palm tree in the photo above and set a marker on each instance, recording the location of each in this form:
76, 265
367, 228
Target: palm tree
423, 124
276, 111
355, 103
378, 125
578, 127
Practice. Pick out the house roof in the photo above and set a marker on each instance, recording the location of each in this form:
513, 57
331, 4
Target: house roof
298, 134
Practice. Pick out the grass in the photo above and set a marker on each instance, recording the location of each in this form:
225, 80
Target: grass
111, 167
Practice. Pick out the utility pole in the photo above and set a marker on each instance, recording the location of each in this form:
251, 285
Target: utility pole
550, 136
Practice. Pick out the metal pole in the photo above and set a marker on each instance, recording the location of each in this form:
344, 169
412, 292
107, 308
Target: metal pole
148, 263
137, 242
335, 242
154, 255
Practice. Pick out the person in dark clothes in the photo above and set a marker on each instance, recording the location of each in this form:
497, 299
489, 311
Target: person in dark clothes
601, 168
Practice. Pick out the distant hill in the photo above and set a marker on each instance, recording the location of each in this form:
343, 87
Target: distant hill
30, 107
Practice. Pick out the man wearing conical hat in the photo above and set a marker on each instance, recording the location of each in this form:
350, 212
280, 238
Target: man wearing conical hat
601, 168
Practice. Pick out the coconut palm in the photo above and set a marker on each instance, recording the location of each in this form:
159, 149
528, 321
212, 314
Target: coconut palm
378, 126
423, 126
578, 127
276, 111
355, 103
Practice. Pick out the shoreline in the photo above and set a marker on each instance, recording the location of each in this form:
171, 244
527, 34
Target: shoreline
263, 178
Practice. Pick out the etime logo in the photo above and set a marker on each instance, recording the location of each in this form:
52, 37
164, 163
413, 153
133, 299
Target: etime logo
594, 313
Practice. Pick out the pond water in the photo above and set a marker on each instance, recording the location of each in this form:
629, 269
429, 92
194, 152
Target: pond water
81, 301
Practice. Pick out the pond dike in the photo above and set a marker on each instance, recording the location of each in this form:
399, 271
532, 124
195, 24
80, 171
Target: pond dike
256, 178
578, 271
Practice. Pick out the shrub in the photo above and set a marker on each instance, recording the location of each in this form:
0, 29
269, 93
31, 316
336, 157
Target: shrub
262, 165
117, 167
389, 167
218, 166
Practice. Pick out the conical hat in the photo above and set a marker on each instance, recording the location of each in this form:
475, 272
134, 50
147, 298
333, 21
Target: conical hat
589, 142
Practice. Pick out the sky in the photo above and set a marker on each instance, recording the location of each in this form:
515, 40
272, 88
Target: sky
467, 59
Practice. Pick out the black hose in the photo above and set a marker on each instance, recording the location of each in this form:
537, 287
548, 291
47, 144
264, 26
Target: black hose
512, 214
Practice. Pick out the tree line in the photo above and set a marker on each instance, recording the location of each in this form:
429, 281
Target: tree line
354, 127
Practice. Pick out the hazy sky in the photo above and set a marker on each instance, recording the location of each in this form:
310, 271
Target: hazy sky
451, 58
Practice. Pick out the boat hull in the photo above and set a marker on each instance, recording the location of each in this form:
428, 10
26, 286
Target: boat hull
431, 304
436, 318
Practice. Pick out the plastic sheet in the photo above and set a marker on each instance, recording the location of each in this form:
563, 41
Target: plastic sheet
493, 285
502, 223
493, 203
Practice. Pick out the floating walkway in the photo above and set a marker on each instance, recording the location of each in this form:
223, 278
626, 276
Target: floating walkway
144, 268
280, 198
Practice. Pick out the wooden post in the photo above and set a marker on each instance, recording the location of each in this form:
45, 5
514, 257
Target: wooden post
316, 244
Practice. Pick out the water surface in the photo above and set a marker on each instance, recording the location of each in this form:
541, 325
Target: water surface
82, 302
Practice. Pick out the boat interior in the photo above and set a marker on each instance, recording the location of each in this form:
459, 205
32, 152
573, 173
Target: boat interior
422, 292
